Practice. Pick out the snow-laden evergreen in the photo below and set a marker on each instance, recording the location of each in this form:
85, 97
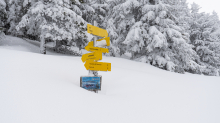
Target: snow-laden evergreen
164, 33
87, 11
2, 12
2, 17
57, 21
160, 39
120, 19
16, 10
205, 36
96, 12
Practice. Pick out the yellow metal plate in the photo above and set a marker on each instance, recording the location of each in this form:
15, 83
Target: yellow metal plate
92, 56
96, 31
97, 66
91, 48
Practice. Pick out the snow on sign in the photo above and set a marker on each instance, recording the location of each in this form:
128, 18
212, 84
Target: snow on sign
101, 42
90, 82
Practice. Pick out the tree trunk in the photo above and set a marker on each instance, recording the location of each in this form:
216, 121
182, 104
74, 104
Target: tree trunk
42, 46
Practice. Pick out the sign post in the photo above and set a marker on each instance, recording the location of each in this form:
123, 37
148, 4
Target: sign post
93, 82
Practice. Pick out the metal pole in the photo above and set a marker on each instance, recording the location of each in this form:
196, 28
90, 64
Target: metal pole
94, 73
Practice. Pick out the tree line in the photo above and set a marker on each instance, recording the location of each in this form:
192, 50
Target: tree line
165, 33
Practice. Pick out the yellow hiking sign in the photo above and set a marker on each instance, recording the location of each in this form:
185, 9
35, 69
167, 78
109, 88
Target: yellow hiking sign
91, 48
98, 66
92, 56
96, 31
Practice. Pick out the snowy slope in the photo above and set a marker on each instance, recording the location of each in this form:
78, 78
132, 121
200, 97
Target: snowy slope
36, 88
14, 43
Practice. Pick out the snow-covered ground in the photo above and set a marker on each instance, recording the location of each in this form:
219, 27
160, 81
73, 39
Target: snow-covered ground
36, 88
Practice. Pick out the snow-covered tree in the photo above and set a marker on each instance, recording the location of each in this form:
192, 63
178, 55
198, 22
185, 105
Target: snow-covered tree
160, 38
87, 11
101, 11
2, 13
120, 18
205, 36
2, 17
57, 20
16, 10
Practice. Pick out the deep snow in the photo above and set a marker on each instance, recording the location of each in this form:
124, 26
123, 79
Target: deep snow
36, 88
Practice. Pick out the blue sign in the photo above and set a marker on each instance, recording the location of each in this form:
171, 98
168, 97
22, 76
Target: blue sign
91, 83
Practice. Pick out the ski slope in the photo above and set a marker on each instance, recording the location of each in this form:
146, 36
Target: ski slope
36, 88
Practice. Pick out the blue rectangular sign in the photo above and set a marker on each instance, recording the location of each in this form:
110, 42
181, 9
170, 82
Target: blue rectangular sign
91, 83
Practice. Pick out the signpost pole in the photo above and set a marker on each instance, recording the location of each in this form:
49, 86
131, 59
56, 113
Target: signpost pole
94, 73
93, 81
94, 45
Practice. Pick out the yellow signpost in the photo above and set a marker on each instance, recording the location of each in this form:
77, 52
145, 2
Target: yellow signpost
98, 66
96, 31
94, 82
91, 48
92, 56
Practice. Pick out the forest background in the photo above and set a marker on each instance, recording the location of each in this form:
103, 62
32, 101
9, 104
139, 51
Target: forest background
164, 33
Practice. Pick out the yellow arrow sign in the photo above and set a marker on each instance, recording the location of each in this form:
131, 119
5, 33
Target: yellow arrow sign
98, 66
91, 48
96, 31
92, 56
106, 42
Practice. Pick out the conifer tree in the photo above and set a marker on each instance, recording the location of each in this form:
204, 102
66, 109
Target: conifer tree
57, 20
2, 13
87, 11
16, 10
101, 11
121, 16
160, 38
2, 17
205, 36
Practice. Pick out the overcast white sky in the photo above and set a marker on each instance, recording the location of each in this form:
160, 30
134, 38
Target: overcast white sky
207, 5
